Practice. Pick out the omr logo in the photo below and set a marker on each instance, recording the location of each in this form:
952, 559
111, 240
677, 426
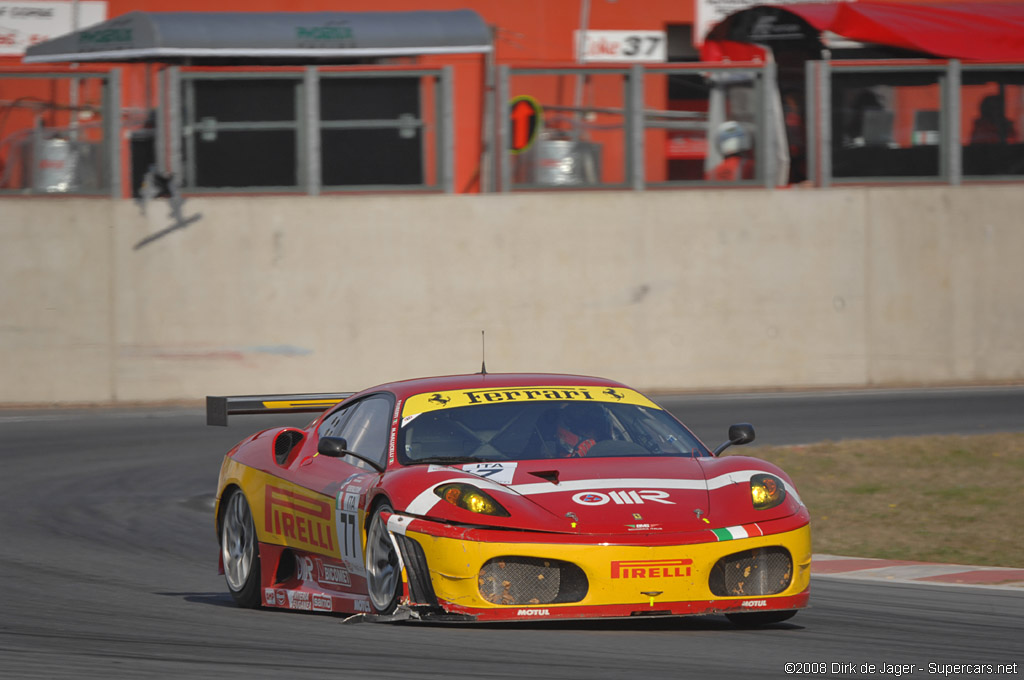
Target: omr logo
651, 568
622, 497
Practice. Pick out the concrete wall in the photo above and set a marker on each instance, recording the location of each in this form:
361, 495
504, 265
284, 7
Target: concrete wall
663, 290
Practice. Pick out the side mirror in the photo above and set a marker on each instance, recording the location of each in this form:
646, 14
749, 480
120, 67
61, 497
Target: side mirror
337, 447
739, 434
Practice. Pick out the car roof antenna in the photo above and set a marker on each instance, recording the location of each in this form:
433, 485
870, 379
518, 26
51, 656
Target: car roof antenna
483, 353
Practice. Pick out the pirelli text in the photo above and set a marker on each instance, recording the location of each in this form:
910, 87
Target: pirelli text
823, 668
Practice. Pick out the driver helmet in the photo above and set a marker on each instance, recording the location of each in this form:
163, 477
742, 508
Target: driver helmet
577, 428
732, 138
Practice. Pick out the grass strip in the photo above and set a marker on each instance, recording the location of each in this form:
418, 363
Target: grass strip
952, 499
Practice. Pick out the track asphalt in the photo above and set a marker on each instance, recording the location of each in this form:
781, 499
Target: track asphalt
901, 571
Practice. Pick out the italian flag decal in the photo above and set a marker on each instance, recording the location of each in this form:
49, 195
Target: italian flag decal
732, 533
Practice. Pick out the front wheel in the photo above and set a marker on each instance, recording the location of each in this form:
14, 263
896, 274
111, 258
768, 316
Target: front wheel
239, 552
754, 619
383, 568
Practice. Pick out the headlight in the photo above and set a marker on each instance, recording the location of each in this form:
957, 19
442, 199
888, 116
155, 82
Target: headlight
468, 497
766, 491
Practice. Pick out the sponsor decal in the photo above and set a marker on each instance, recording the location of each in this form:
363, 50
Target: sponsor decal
394, 431
350, 540
105, 35
330, 33
644, 527
299, 600
737, 532
304, 568
333, 574
502, 473
533, 612
439, 399
361, 606
622, 497
432, 401
754, 603
322, 603
269, 596
543, 394
281, 598
636, 569
300, 520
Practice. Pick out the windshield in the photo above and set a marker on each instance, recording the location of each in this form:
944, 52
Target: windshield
542, 430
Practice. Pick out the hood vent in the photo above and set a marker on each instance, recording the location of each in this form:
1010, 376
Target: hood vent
547, 475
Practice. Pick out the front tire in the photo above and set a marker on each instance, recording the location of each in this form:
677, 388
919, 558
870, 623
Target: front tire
755, 619
239, 552
383, 568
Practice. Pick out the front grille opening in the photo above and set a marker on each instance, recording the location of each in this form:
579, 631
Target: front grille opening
514, 580
761, 571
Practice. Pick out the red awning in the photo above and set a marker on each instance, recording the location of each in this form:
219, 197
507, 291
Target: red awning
972, 31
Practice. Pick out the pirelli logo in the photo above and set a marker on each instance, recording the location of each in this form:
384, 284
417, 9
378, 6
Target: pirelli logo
299, 519
643, 569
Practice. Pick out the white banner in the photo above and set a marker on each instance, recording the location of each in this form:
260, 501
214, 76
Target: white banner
621, 46
710, 12
32, 21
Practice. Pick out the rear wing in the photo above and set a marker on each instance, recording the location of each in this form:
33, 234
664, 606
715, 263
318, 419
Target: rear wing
219, 408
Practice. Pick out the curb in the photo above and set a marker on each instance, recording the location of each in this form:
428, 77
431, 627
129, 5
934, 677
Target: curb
902, 571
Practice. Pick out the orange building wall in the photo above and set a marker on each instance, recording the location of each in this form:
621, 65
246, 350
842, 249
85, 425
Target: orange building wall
527, 33
527, 30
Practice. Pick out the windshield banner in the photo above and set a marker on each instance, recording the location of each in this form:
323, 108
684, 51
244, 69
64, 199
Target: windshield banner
435, 401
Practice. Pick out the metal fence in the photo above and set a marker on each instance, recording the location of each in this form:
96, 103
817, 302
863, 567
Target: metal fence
60, 133
306, 131
888, 122
310, 130
621, 128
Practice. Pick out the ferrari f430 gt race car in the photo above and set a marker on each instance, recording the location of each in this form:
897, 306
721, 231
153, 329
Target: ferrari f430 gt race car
491, 497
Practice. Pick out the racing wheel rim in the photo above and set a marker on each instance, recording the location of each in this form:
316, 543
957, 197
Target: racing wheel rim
238, 542
383, 571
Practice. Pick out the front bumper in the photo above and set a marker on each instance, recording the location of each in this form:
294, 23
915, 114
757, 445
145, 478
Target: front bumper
481, 573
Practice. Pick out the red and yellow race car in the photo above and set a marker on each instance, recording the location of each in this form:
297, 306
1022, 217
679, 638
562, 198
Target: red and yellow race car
490, 497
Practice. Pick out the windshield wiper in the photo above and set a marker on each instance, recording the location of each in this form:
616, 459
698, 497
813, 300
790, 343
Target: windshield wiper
448, 460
